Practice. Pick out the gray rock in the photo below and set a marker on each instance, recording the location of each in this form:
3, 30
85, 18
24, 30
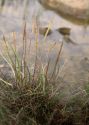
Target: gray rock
75, 8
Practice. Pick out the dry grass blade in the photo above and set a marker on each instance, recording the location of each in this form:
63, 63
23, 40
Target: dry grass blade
56, 62
7, 83
9, 64
14, 41
7, 50
47, 69
48, 64
35, 31
35, 67
48, 30
25, 51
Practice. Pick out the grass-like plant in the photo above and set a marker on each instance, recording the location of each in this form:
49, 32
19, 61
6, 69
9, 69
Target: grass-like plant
32, 97
27, 98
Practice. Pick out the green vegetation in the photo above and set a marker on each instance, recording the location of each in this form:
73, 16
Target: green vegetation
33, 98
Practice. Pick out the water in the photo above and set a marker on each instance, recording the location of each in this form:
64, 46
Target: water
75, 57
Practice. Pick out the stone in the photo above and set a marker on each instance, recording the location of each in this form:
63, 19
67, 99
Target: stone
75, 8
64, 30
45, 30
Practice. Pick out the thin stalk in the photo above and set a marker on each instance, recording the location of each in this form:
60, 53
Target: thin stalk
7, 50
57, 60
25, 51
